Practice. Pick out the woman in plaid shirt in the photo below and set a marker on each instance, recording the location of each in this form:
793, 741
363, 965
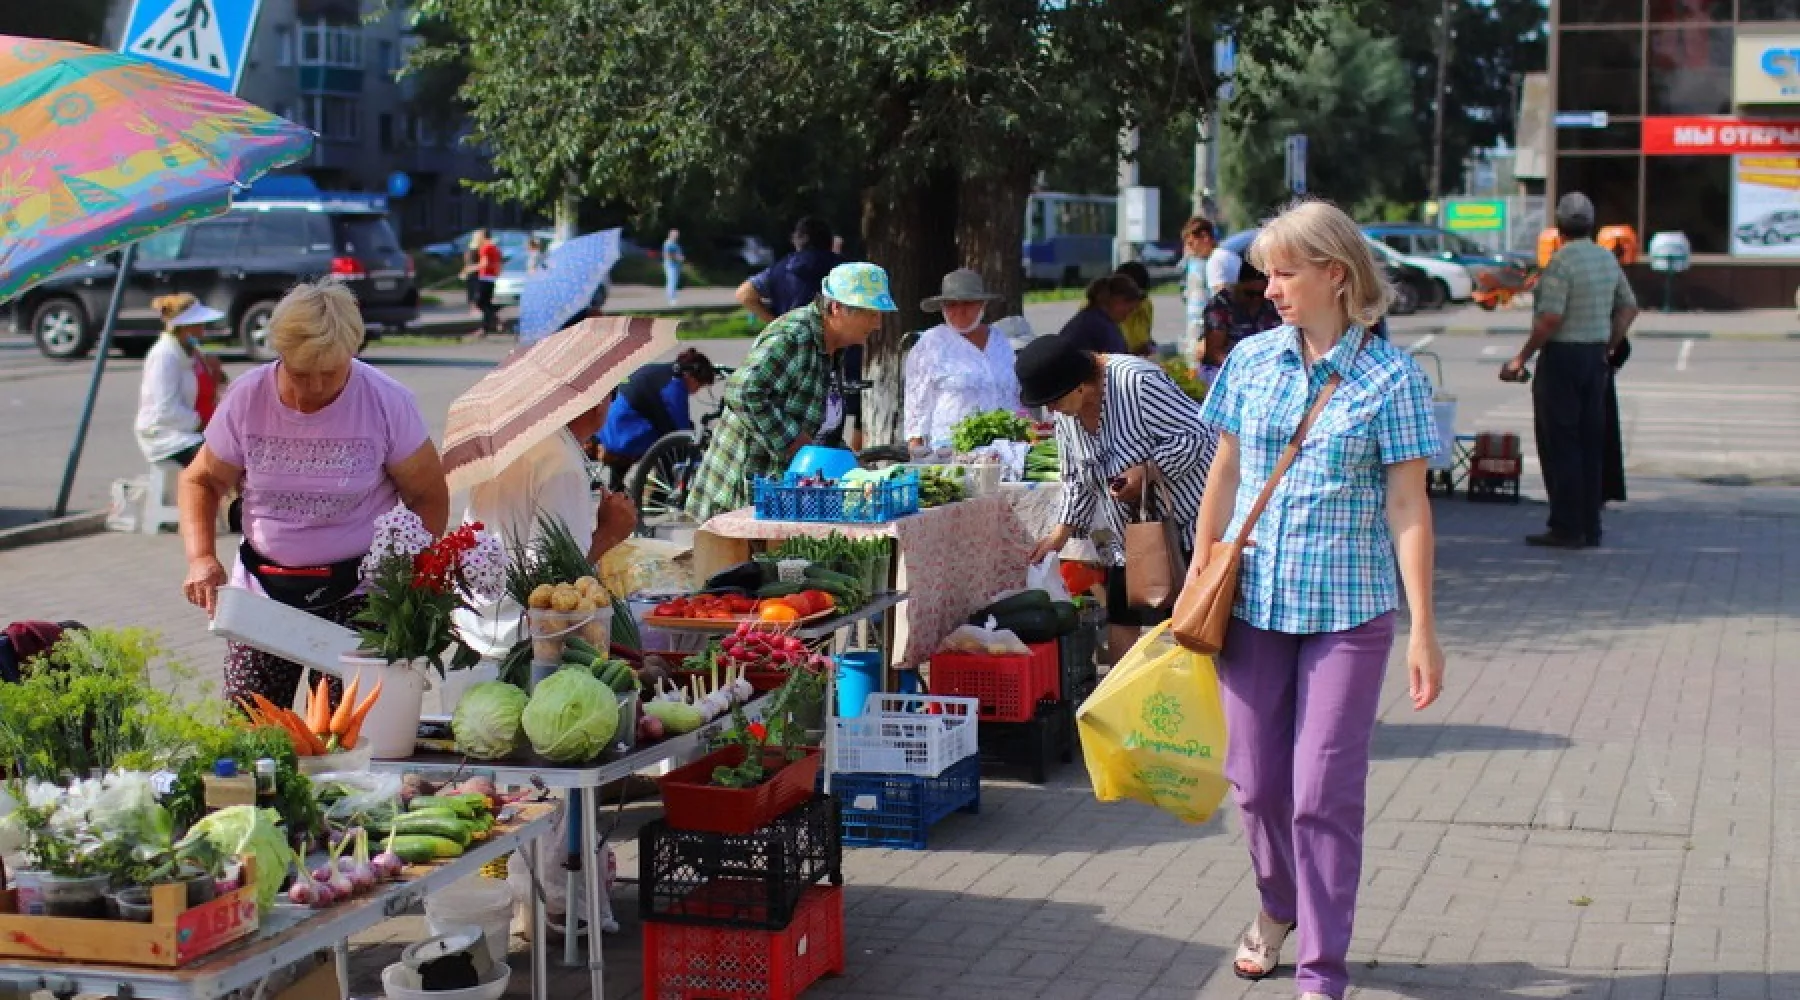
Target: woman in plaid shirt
1301, 669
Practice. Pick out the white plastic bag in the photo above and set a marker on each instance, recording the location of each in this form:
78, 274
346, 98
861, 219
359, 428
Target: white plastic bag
126, 510
1047, 577
984, 641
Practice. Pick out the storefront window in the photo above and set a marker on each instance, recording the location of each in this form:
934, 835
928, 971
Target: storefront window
1768, 10
1601, 71
1610, 181
1616, 137
1602, 11
1690, 10
1690, 71
1688, 194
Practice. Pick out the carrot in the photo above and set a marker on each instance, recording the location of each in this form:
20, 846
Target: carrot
318, 708
252, 713
340, 719
348, 738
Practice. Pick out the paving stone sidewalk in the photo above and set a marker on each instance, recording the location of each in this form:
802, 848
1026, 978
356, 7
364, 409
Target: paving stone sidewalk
1600, 807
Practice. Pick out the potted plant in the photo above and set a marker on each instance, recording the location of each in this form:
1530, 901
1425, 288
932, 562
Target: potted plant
88, 835
757, 771
415, 586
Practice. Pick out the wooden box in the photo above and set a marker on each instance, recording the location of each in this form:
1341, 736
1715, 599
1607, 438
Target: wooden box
176, 935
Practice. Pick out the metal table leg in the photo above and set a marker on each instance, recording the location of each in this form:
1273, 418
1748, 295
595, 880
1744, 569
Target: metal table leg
571, 943
540, 949
593, 868
341, 957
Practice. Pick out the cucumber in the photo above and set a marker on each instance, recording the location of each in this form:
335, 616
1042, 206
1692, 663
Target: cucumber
782, 589
580, 645
464, 806
434, 826
417, 849
823, 575
574, 658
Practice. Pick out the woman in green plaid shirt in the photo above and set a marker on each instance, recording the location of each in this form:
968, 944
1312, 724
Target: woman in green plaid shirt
781, 398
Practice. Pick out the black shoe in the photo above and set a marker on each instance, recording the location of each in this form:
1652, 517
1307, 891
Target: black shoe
1549, 540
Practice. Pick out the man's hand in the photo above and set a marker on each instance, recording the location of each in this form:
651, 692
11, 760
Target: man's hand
614, 523
1513, 370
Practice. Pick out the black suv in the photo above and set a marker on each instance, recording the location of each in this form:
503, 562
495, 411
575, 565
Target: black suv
239, 263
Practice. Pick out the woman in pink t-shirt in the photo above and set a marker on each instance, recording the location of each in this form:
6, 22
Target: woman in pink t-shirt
320, 445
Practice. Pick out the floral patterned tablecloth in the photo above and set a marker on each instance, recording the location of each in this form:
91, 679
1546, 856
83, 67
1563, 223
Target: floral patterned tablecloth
952, 559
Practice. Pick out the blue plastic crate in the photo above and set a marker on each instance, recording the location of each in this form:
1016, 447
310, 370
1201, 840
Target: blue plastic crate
898, 810
862, 503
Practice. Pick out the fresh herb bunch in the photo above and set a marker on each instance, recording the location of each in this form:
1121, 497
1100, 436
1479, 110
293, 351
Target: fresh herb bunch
979, 429
82, 706
416, 584
783, 728
551, 555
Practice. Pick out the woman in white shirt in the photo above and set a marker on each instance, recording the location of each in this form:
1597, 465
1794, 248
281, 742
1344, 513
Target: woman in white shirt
958, 368
180, 384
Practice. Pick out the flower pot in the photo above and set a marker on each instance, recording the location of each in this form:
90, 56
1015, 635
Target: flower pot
74, 895
392, 725
201, 887
132, 905
692, 802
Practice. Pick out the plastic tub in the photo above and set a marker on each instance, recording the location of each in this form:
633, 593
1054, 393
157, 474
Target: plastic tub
401, 983
815, 459
473, 902
859, 675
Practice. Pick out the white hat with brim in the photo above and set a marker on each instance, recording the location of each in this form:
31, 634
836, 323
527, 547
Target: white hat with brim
198, 314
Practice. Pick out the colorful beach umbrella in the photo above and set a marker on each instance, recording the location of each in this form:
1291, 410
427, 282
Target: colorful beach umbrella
99, 149
566, 284
538, 389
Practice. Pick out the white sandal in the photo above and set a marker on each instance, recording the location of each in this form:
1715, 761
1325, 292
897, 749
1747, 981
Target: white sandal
1261, 947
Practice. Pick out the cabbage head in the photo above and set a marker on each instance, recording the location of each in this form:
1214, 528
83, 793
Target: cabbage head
486, 723
571, 717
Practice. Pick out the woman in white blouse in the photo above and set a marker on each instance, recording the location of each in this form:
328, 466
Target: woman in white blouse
960, 367
180, 383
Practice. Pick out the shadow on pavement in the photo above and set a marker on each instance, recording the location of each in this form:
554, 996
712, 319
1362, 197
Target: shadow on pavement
1518, 979
1398, 741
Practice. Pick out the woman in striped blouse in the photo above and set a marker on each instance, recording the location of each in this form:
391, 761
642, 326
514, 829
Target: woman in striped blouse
1115, 416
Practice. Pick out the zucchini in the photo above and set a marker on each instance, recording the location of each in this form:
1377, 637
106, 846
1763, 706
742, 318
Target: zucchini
417, 849
1067, 618
1025, 600
434, 826
1032, 626
464, 806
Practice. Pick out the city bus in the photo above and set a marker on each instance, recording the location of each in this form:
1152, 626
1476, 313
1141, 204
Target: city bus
1069, 237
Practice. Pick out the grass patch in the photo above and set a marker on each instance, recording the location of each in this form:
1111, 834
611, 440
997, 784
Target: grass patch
1037, 295
733, 325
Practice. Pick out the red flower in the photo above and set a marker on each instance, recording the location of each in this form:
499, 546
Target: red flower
758, 731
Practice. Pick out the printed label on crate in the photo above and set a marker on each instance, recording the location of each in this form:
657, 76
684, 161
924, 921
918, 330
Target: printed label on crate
865, 802
207, 928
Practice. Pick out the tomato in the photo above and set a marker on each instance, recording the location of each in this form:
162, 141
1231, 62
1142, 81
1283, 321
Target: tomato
739, 605
821, 601
802, 603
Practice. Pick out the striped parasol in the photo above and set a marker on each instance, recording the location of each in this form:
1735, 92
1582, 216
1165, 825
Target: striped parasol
538, 389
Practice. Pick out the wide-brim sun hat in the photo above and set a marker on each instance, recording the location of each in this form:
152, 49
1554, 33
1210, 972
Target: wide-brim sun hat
198, 314
859, 285
960, 285
1050, 368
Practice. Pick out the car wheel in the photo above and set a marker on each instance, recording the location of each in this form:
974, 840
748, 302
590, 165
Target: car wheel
253, 331
1406, 300
60, 327
1437, 296
1769, 238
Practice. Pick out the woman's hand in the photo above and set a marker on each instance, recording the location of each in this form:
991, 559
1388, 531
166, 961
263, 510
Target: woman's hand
1053, 542
204, 578
1425, 667
615, 521
1134, 485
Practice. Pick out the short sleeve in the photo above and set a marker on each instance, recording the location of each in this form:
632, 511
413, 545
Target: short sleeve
1551, 296
763, 282
1223, 400
405, 425
225, 431
1405, 427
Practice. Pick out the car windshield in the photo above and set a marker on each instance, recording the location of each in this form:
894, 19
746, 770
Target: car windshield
368, 234
1466, 247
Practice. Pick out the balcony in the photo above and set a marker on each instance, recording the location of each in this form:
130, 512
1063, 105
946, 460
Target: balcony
330, 80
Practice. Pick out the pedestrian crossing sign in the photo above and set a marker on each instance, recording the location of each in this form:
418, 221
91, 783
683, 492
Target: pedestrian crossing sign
206, 40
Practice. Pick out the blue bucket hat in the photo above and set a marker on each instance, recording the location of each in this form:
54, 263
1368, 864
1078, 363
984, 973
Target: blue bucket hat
859, 285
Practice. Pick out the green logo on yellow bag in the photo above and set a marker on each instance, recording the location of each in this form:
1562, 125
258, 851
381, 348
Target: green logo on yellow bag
1162, 713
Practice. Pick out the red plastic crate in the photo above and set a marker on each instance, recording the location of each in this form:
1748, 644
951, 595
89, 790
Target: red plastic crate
692, 802
688, 962
1008, 687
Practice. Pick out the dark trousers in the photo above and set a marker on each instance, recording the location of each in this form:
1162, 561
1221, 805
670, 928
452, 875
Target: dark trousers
1568, 397
490, 313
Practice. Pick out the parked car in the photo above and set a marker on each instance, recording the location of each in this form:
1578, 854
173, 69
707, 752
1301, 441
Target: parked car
1781, 227
1413, 239
1411, 285
1451, 282
240, 263
512, 243
511, 285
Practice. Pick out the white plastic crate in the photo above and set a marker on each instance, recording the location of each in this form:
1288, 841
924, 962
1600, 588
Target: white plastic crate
289, 633
917, 734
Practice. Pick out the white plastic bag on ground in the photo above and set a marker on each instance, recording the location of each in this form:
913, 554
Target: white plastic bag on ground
1047, 577
553, 852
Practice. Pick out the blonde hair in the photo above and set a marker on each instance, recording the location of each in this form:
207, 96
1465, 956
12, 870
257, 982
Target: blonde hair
171, 306
315, 321
1320, 233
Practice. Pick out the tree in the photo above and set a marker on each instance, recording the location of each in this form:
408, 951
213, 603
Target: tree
946, 109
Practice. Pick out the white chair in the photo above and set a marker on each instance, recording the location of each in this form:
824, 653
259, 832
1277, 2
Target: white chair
160, 506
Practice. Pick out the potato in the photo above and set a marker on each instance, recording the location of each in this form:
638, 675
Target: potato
564, 600
586, 605
540, 596
587, 584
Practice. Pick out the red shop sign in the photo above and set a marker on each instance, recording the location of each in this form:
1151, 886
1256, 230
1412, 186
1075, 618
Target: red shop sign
1703, 136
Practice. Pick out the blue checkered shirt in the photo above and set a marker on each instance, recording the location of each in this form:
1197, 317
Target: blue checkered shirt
1323, 559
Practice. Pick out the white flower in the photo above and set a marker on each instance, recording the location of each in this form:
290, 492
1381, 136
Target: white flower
484, 567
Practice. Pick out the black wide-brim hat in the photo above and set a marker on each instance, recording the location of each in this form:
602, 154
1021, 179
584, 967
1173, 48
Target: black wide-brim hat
1050, 368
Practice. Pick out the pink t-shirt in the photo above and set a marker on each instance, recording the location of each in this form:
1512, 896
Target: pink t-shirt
314, 483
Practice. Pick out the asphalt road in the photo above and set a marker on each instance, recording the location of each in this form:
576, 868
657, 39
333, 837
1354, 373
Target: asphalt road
1696, 408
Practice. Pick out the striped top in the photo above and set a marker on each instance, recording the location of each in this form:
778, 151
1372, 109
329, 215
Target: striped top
1144, 417
1324, 558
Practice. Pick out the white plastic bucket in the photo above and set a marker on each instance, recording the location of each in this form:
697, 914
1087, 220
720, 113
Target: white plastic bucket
392, 726
479, 902
401, 983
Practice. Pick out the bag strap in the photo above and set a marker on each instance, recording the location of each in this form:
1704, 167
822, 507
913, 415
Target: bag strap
1153, 480
1292, 451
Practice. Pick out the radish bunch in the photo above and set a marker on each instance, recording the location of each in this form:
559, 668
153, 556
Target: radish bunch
751, 648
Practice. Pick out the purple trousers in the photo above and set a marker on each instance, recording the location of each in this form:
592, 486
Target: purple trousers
1299, 710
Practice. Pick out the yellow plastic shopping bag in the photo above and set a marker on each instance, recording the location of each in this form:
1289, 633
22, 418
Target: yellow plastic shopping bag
1154, 730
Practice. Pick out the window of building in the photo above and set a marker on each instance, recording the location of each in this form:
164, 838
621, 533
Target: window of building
1610, 181
332, 117
385, 125
1689, 10
421, 132
387, 58
1601, 71
1602, 11
1689, 194
284, 45
1616, 137
1769, 10
335, 45
1689, 71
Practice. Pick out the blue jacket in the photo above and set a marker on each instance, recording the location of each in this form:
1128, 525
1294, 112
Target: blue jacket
628, 433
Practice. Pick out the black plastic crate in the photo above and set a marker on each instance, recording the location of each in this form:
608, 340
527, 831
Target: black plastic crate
1077, 652
752, 880
1029, 747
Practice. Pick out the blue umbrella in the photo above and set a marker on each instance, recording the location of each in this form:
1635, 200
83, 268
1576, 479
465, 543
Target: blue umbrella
566, 284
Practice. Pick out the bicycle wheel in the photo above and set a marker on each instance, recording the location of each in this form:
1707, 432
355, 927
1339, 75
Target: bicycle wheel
880, 455
659, 483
